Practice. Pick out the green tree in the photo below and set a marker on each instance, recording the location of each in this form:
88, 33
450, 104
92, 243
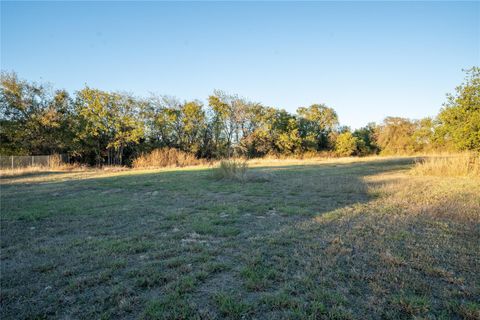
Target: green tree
33, 119
346, 144
395, 136
164, 120
288, 140
108, 122
228, 119
459, 120
366, 139
262, 127
423, 137
315, 125
193, 126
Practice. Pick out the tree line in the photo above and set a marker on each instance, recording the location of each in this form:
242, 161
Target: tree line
98, 127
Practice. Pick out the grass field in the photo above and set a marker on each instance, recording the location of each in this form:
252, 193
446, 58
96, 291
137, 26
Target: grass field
350, 239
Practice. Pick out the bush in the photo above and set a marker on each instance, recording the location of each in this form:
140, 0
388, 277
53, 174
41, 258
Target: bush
237, 170
166, 157
232, 170
465, 164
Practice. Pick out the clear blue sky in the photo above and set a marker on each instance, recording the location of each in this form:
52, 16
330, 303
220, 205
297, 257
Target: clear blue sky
367, 60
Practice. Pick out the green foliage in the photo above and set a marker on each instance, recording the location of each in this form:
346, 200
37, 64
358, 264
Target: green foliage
316, 123
288, 140
346, 144
229, 119
193, 124
107, 123
100, 127
366, 139
423, 137
459, 120
33, 118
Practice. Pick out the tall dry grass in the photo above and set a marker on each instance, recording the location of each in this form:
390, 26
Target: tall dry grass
55, 163
231, 170
166, 157
463, 164
238, 170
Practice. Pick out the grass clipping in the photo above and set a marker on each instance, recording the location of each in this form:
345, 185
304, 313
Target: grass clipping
459, 165
237, 170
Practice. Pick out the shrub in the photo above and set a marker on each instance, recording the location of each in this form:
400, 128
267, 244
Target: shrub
232, 170
237, 170
464, 164
166, 157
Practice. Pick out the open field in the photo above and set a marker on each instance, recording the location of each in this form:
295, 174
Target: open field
339, 239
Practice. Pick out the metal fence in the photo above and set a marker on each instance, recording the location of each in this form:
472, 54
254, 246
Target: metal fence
14, 162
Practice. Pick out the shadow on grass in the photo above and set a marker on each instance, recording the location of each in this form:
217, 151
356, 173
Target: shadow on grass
31, 174
112, 232
177, 243
303, 185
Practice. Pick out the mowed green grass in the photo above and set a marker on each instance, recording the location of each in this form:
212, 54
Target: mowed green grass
346, 240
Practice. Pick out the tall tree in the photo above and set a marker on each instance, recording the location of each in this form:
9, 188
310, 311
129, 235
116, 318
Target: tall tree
108, 122
33, 119
193, 123
228, 117
316, 123
459, 120
366, 139
395, 136
346, 144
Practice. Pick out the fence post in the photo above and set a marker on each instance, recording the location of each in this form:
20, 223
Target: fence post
12, 161
32, 160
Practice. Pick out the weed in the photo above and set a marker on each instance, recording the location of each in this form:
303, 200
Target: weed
464, 164
231, 306
172, 307
411, 304
232, 170
166, 157
258, 275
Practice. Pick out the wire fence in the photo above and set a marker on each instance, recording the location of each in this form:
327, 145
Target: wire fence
15, 162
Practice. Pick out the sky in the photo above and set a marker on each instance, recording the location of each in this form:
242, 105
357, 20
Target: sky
367, 60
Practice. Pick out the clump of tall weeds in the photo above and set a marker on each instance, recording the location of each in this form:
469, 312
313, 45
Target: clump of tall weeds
166, 157
237, 170
232, 170
463, 164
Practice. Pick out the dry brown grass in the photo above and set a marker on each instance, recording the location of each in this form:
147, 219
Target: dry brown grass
52, 167
301, 156
166, 157
464, 164
238, 170
232, 170
55, 161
